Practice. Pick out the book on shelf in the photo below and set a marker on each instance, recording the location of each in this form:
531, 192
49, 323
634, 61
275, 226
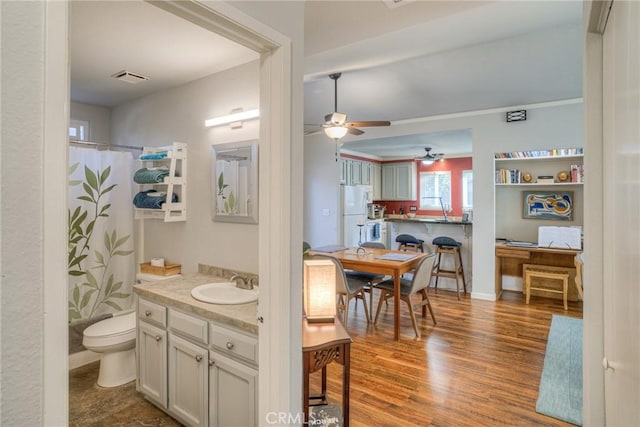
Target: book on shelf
555, 152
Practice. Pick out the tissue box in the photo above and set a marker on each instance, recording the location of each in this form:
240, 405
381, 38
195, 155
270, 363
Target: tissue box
168, 269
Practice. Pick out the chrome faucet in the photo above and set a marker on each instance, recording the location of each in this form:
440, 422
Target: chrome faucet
241, 281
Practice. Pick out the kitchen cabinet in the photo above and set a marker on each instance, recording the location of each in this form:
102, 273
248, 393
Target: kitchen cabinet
399, 181
375, 172
365, 173
201, 372
356, 172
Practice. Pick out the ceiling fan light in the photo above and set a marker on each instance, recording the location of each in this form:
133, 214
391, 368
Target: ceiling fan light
427, 162
336, 132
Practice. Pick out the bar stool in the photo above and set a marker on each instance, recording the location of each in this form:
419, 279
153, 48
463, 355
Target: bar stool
409, 242
448, 246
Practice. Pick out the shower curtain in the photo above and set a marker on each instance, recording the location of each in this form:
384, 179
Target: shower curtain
101, 263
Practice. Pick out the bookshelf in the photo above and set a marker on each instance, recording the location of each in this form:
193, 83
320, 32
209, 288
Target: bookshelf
556, 167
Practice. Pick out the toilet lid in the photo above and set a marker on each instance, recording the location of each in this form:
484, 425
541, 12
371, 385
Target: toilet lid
117, 325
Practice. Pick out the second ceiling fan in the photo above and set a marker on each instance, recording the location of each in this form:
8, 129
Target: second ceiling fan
336, 125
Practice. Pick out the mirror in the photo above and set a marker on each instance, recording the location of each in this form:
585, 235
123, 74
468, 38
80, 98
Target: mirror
234, 182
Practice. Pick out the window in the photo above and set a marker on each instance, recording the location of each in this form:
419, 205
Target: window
467, 189
79, 130
434, 187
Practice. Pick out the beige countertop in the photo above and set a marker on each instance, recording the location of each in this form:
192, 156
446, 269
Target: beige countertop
177, 293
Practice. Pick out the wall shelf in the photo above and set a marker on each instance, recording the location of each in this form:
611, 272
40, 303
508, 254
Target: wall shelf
174, 183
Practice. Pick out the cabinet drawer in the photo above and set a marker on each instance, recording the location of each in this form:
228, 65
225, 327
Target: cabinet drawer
189, 326
152, 312
235, 343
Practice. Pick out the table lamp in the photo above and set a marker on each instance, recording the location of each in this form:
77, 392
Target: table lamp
320, 291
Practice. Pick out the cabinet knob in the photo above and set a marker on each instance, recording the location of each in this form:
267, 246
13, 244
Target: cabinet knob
198, 358
211, 362
147, 313
229, 345
158, 338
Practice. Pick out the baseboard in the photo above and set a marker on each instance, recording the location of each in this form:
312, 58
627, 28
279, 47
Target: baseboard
483, 296
82, 358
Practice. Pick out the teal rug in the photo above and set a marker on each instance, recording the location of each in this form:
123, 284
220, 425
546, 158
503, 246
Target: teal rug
560, 393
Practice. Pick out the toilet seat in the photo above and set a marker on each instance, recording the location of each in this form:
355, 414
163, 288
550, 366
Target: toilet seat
115, 330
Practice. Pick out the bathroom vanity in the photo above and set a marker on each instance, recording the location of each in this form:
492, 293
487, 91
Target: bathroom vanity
197, 361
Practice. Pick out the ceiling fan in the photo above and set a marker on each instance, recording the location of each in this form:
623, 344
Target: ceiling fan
428, 157
336, 125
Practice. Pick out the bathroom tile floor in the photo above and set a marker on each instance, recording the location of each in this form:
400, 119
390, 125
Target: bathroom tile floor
91, 405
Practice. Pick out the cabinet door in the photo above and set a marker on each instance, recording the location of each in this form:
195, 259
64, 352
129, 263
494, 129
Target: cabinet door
388, 182
356, 172
404, 187
233, 391
188, 381
365, 178
152, 363
375, 180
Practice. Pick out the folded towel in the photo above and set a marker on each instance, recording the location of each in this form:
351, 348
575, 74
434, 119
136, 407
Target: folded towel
376, 230
150, 176
144, 199
154, 156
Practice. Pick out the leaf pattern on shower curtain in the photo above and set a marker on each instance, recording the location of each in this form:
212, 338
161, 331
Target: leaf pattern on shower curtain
98, 282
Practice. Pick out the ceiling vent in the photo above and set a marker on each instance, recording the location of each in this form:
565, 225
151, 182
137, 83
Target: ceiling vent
129, 77
392, 4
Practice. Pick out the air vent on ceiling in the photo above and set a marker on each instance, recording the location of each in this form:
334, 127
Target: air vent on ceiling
392, 4
129, 77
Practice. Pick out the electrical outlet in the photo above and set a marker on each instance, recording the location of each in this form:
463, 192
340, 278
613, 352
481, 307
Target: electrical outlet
413, 208
326, 212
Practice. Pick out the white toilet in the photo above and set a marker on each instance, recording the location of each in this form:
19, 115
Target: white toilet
115, 340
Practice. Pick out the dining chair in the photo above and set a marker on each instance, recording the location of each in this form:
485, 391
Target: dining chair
372, 279
346, 290
417, 285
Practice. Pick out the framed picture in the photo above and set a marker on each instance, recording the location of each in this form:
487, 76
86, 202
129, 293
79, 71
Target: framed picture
234, 181
548, 205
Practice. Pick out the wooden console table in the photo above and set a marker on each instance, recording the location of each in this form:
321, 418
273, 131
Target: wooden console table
509, 261
323, 343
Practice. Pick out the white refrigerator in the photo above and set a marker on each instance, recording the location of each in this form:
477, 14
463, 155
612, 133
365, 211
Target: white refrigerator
354, 211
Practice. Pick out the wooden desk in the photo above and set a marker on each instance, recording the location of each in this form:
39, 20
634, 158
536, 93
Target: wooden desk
322, 343
509, 261
369, 263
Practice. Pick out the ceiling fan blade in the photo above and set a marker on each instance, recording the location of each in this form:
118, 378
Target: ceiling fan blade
336, 118
364, 124
309, 132
354, 131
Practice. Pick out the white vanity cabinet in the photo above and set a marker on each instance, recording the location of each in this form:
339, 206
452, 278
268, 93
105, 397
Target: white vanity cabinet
201, 372
152, 352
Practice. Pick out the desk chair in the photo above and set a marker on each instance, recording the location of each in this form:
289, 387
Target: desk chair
409, 242
372, 279
448, 246
417, 285
346, 290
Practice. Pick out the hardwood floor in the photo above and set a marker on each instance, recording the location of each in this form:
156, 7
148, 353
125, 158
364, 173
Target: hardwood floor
479, 366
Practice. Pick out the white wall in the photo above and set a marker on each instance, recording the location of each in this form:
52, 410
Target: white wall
98, 118
557, 126
178, 115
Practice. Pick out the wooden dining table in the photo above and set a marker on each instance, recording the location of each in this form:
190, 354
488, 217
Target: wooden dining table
369, 261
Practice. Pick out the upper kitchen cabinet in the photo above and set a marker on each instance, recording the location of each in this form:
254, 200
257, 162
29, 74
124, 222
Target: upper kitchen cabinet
399, 181
357, 172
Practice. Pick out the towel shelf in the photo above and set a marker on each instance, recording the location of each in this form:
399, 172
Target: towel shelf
175, 182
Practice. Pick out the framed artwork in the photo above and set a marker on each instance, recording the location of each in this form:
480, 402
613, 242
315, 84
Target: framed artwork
548, 205
234, 181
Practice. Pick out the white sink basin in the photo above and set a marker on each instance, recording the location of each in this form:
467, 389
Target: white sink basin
224, 293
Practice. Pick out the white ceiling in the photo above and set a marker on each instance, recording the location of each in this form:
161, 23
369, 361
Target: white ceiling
422, 59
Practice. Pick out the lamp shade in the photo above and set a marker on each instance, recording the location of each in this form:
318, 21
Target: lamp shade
320, 290
427, 162
336, 132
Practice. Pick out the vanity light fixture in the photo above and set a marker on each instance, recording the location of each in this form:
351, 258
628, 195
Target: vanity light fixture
320, 291
235, 117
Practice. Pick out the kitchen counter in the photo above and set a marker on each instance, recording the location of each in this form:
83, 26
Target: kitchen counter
177, 293
427, 220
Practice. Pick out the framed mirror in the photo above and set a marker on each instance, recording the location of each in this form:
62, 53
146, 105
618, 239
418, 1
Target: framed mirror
234, 181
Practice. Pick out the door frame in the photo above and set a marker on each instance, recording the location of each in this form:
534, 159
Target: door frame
280, 336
